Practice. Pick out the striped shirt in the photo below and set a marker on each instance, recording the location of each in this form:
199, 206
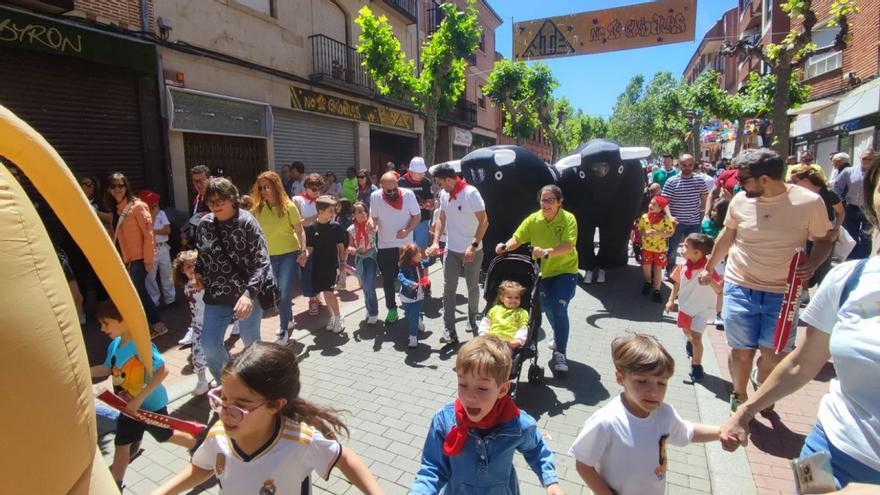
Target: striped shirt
684, 194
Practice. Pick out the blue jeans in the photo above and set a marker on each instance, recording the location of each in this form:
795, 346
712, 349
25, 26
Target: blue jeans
138, 273
420, 234
856, 224
306, 279
681, 231
750, 318
367, 269
845, 468
284, 268
412, 311
556, 292
217, 319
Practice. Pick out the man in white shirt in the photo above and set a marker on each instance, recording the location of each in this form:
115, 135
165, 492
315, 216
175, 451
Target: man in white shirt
463, 219
395, 212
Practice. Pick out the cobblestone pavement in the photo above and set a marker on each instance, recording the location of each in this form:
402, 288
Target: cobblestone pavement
392, 392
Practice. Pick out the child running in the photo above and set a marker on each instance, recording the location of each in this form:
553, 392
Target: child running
362, 245
506, 319
412, 279
622, 447
471, 441
184, 272
325, 242
268, 439
655, 228
696, 302
131, 383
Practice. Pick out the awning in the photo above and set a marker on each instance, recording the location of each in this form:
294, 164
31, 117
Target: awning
813, 106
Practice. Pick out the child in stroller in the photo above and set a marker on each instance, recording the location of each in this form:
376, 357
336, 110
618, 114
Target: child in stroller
505, 273
507, 320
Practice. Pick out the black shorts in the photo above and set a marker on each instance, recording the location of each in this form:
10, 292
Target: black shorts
129, 431
323, 277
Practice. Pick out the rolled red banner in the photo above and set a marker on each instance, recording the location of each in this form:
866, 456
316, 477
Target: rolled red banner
790, 302
151, 418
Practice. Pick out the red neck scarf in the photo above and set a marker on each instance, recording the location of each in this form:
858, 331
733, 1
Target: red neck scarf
503, 411
409, 178
460, 184
656, 217
397, 204
309, 199
360, 235
690, 267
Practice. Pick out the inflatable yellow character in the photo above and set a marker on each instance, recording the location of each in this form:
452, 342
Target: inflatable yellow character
48, 415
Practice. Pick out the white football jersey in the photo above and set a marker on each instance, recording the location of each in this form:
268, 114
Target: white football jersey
281, 467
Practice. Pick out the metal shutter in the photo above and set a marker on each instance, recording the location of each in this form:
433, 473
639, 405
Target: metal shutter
324, 144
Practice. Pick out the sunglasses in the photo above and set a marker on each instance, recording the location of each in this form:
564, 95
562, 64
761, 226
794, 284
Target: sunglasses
116, 186
87, 184
214, 203
548, 201
235, 413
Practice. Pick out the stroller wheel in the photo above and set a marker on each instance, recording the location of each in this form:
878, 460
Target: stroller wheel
536, 374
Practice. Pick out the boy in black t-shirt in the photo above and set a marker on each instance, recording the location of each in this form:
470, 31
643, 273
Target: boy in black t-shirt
325, 242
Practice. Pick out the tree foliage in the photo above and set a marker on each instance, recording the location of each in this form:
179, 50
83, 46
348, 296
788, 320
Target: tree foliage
570, 128
524, 94
437, 86
652, 115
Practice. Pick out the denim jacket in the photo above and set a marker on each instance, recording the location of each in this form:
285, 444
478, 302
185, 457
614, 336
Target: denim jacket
485, 464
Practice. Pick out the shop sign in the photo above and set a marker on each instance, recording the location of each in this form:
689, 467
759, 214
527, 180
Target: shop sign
30, 32
462, 137
633, 26
304, 99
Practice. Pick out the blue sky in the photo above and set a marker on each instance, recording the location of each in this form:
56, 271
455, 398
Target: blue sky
592, 82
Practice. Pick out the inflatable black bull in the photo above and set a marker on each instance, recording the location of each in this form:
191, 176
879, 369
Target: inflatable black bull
603, 184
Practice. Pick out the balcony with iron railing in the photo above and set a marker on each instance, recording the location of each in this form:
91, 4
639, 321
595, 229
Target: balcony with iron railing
435, 17
336, 63
464, 113
407, 8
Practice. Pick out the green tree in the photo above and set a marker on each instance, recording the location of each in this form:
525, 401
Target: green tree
437, 86
785, 58
652, 115
626, 124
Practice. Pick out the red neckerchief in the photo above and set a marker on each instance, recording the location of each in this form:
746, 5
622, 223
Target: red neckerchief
654, 218
360, 234
409, 178
690, 267
308, 198
503, 411
397, 204
460, 184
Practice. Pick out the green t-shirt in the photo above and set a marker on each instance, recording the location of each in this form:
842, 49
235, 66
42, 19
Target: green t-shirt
279, 233
538, 232
350, 188
660, 176
505, 322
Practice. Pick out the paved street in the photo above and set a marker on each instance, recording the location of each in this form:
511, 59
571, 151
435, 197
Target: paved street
391, 392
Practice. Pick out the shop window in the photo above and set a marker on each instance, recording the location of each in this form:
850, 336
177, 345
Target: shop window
266, 7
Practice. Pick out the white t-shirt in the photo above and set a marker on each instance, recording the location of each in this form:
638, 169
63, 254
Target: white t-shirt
306, 208
391, 219
850, 411
282, 467
435, 217
695, 299
160, 221
630, 452
461, 224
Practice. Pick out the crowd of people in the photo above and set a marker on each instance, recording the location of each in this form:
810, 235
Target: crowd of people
736, 225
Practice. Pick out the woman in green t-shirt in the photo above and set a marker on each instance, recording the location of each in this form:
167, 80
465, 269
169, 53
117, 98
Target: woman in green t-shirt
282, 226
552, 232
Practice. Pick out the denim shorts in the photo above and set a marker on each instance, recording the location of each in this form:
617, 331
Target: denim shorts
846, 469
750, 318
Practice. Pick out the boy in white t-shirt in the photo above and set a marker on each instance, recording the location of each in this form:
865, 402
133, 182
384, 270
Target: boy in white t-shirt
622, 447
162, 259
696, 302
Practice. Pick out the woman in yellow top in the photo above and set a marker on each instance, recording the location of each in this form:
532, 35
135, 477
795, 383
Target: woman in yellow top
552, 232
282, 226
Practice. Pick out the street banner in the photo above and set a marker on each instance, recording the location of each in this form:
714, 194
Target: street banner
623, 28
151, 418
790, 302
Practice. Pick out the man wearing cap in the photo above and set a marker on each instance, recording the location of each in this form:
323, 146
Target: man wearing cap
414, 180
162, 259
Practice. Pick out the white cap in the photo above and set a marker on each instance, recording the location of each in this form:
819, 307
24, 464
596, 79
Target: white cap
417, 165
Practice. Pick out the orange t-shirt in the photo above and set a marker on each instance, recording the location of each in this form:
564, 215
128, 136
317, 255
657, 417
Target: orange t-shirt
135, 237
768, 231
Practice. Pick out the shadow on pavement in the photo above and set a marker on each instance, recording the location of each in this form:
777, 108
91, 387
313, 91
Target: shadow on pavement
777, 439
621, 298
717, 385
582, 380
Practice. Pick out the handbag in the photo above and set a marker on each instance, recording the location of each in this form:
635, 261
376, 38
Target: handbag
268, 295
843, 245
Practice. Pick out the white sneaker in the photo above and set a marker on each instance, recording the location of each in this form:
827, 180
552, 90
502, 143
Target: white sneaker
281, 337
559, 363
291, 324
187, 339
600, 276
551, 342
413, 342
235, 328
202, 387
331, 323
588, 277
339, 326
372, 320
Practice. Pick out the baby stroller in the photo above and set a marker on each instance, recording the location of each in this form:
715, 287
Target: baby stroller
522, 269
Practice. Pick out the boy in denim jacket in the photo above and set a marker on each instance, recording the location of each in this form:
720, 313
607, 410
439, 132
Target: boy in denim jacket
472, 440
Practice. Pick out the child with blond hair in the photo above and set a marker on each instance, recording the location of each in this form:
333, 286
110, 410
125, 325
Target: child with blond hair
183, 271
507, 319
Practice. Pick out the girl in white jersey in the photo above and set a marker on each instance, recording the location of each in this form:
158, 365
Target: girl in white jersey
269, 439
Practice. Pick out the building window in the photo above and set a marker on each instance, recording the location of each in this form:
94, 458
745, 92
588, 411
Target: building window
481, 101
823, 63
766, 13
266, 7
482, 42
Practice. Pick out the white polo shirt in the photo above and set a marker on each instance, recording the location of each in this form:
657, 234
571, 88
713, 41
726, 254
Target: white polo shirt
391, 219
461, 223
